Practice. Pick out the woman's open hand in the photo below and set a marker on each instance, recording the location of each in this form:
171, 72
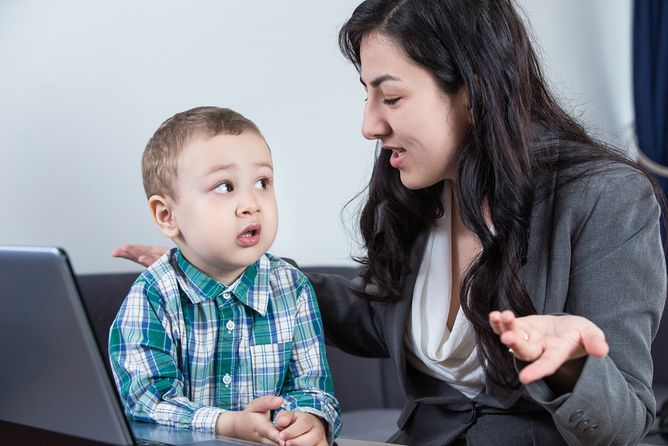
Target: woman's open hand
547, 342
142, 254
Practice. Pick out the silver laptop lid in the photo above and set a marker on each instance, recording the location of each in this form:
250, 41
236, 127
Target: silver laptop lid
51, 373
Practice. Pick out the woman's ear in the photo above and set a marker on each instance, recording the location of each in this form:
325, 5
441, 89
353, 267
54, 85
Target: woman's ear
161, 211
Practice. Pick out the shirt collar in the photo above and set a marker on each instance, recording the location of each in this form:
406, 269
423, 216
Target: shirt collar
251, 288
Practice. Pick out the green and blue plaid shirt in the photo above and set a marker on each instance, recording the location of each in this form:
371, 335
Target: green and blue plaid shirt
185, 347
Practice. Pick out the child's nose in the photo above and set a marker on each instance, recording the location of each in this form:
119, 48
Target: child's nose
248, 205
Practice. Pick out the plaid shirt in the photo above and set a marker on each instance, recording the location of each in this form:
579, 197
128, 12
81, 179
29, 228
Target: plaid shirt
185, 347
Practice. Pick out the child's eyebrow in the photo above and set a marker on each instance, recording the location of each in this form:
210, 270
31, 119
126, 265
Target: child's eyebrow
233, 166
218, 167
264, 164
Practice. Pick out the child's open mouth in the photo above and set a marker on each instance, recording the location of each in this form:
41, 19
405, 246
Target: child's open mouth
249, 236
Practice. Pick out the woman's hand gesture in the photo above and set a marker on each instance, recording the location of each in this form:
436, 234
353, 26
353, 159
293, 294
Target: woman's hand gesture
142, 254
548, 342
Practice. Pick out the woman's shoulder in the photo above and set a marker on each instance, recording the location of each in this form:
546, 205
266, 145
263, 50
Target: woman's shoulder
592, 185
582, 172
604, 174
602, 178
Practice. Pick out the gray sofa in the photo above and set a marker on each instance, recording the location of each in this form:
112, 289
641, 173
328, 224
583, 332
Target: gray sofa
367, 388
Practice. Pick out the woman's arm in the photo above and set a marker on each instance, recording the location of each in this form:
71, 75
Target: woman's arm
617, 284
351, 323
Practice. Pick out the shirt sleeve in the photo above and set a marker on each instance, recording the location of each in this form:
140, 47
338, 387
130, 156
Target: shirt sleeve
308, 385
144, 362
619, 282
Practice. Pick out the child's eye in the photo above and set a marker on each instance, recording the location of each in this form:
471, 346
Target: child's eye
262, 183
391, 101
224, 188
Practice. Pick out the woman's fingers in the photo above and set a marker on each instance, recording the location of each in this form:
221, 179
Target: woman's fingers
519, 337
593, 340
522, 345
501, 321
547, 363
547, 342
142, 254
495, 322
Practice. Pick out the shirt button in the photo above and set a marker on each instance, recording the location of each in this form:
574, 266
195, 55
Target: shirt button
227, 379
230, 325
584, 423
227, 295
576, 415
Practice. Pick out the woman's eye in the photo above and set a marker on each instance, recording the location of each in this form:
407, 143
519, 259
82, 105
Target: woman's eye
262, 183
391, 101
223, 188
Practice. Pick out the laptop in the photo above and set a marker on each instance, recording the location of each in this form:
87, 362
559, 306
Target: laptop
55, 386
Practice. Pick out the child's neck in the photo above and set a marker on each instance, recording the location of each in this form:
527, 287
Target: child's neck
226, 276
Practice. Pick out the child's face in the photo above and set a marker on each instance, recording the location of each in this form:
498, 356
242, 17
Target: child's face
226, 208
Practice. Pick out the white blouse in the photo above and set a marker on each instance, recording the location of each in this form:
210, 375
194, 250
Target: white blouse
431, 348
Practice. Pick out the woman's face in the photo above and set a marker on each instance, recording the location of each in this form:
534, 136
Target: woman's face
408, 112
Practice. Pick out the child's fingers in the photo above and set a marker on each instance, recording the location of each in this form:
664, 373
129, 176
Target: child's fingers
310, 438
264, 404
299, 426
268, 433
284, 419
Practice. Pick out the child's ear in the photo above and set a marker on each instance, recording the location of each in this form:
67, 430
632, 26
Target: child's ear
161, 211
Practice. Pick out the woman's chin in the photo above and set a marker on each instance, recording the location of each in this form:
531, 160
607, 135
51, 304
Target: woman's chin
413, 183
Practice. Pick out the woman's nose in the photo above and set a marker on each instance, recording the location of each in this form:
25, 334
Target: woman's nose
374, 124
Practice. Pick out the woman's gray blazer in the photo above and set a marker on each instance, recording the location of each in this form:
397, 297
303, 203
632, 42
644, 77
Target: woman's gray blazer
595, 251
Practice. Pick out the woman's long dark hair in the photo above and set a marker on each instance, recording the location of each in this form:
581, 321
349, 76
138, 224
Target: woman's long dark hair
481, 45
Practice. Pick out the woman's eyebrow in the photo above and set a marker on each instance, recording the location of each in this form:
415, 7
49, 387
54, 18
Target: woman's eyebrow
380, 79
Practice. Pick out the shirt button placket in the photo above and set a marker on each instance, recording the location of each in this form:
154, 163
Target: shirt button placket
226, 361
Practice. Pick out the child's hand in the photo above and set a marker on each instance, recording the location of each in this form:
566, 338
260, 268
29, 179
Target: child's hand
301, 429
252, 423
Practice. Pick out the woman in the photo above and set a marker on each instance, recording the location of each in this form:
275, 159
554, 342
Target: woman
486, 195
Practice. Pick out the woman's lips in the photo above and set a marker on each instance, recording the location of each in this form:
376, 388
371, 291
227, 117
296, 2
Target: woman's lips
398, 157
249, 236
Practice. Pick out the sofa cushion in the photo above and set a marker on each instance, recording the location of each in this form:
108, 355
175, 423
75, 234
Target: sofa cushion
369, 424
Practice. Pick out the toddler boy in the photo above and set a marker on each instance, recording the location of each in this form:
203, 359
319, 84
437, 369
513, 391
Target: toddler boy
218, 334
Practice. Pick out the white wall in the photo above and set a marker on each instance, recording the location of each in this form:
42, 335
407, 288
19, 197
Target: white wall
84, 84
586, 50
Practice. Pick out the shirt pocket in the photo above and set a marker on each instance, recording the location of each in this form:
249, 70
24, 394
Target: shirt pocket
270, 364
